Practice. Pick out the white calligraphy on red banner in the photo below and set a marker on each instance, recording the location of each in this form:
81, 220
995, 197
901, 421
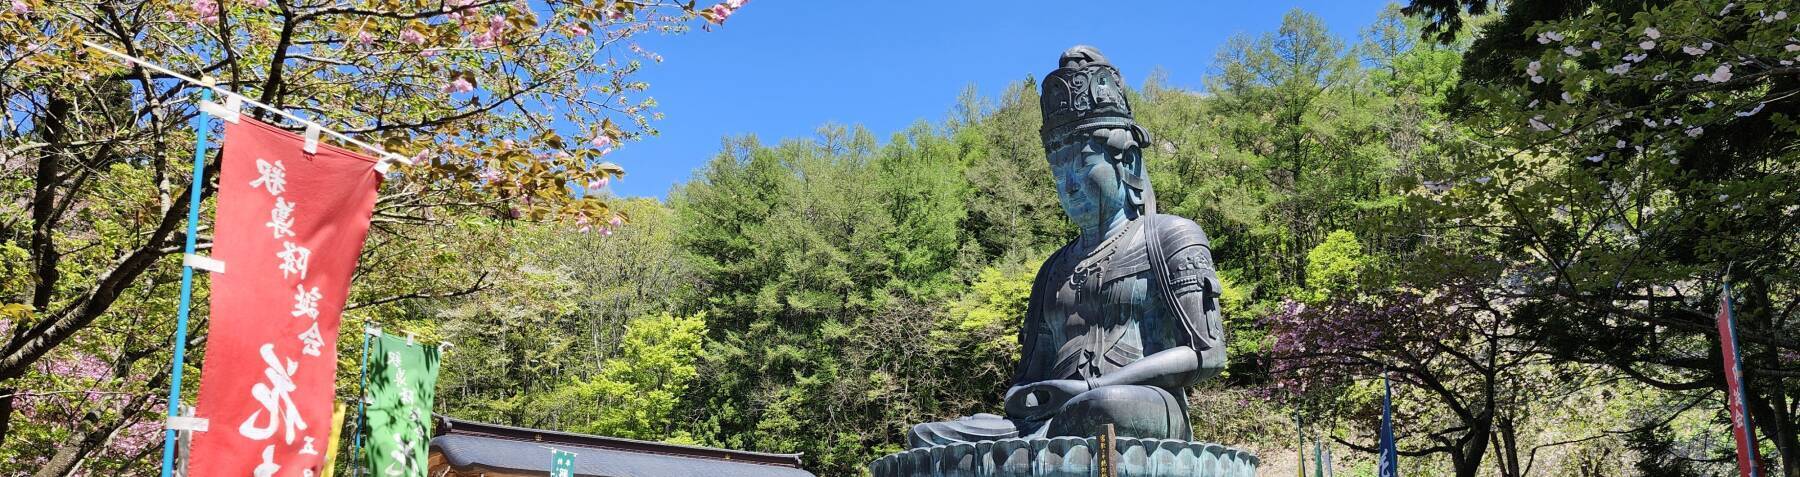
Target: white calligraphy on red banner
291, 224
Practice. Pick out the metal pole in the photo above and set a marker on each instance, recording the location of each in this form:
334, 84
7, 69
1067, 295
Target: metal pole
362, 398
187, 287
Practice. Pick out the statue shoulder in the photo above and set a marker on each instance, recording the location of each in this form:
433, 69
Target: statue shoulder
1175, 233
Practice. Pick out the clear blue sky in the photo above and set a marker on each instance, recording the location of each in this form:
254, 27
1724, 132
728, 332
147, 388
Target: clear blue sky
782, 68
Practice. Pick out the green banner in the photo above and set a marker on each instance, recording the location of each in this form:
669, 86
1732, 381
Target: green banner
562, 463
402, 379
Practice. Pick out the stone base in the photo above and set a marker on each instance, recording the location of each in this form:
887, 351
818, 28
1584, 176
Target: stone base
1067, 457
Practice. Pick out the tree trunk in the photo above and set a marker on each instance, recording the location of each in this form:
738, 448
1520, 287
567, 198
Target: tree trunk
1467, 459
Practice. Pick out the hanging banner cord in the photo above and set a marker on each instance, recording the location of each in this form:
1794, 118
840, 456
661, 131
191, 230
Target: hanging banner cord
210, 87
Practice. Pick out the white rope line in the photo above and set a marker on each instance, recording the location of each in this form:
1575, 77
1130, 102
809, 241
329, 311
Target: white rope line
385, 155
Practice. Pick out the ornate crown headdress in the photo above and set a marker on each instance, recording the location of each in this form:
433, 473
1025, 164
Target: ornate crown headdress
1085, 93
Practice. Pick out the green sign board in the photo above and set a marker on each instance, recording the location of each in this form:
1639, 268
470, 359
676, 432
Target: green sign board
562, 463
402, 379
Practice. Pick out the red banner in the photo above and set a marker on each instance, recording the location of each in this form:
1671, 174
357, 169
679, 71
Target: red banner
290, 227
1734, 390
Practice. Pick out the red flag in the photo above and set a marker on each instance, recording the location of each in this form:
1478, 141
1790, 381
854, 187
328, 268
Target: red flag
1734, 389
290, 227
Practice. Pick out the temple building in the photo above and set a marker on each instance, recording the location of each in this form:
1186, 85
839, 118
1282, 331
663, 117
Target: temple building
473, 449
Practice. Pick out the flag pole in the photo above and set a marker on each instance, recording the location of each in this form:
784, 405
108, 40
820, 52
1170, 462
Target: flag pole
187, 287
362, 399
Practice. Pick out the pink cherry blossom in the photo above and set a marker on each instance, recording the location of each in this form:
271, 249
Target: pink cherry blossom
259, 3
736, 4
364, 38
19, 7
616, 221
599, 183
489, 174
582, 220
720, 12
603, 141
484, 40
208, 10
577, 30
460, 85
429, 52
412, 37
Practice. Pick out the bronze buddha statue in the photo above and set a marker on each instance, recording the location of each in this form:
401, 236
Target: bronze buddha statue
1122, 320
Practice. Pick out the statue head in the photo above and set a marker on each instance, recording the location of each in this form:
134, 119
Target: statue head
1092, 142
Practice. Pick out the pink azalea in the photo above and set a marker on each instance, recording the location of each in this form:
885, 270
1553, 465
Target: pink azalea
460, 85
20, 7
411, 36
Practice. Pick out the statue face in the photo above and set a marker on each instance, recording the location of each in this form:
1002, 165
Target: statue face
1087, 184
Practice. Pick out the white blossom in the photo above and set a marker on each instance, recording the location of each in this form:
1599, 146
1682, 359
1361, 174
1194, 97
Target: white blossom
1695, 131
1652, 32
1537, 79
1792, 47
1595, 45
1720, 74
1571, 51
1727, 9
1483, 179
1537, 123
1567, 98
1595, 158
1692, 50
1647, 44
1635, 57
1545, 38
1621, 144
1751, 112
1619, 69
